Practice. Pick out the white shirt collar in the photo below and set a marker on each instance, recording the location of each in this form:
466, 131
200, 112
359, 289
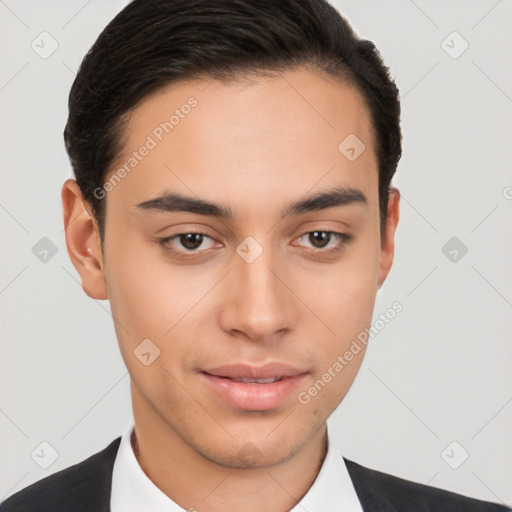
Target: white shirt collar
133, 491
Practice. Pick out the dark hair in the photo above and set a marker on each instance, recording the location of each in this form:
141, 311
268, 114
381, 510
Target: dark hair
151, 44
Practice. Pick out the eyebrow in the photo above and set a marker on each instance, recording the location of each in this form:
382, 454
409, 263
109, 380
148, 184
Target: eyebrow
174, 202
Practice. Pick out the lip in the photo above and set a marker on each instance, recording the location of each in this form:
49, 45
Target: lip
251, 395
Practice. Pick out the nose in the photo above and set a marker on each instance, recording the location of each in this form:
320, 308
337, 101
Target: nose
259, 304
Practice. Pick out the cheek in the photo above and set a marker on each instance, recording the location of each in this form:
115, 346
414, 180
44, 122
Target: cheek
151, 299
343, 295
333, 377
145, 293
345, 304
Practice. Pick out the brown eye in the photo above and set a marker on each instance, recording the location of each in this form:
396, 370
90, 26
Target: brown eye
321, 242
187, 244
191, 240
319, 238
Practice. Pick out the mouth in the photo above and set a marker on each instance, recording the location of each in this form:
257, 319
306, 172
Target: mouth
253, 388
249, 380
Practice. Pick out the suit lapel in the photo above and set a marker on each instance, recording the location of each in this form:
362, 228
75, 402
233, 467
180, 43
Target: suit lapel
376, 490
94, 486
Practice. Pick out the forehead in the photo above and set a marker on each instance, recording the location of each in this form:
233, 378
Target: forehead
267, 134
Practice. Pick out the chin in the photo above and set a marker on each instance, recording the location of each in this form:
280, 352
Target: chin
258, 452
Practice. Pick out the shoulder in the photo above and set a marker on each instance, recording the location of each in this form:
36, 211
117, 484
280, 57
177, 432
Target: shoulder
82, 487
382, 491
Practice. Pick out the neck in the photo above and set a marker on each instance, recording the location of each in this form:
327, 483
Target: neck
197, 483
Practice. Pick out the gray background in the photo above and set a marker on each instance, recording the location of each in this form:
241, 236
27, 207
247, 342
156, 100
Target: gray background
438, 373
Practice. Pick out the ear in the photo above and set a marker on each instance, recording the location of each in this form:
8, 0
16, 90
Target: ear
387, 251
83, 240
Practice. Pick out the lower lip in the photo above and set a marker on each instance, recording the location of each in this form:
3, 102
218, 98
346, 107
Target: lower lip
253, 396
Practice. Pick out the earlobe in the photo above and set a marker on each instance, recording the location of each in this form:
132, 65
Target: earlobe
83, 241
388, 241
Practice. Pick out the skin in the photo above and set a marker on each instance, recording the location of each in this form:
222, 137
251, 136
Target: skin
254, 147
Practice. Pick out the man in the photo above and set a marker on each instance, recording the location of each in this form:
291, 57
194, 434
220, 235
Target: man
232, 201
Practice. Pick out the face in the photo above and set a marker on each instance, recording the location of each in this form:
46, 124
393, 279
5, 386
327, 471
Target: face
265, 281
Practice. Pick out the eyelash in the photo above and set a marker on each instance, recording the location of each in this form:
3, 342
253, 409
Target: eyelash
343, 239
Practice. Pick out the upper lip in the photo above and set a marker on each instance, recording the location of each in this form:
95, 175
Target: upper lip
232, 371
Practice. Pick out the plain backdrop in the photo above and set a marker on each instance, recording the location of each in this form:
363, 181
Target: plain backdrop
433, 400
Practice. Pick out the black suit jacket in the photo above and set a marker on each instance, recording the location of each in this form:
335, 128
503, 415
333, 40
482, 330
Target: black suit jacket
85, 487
